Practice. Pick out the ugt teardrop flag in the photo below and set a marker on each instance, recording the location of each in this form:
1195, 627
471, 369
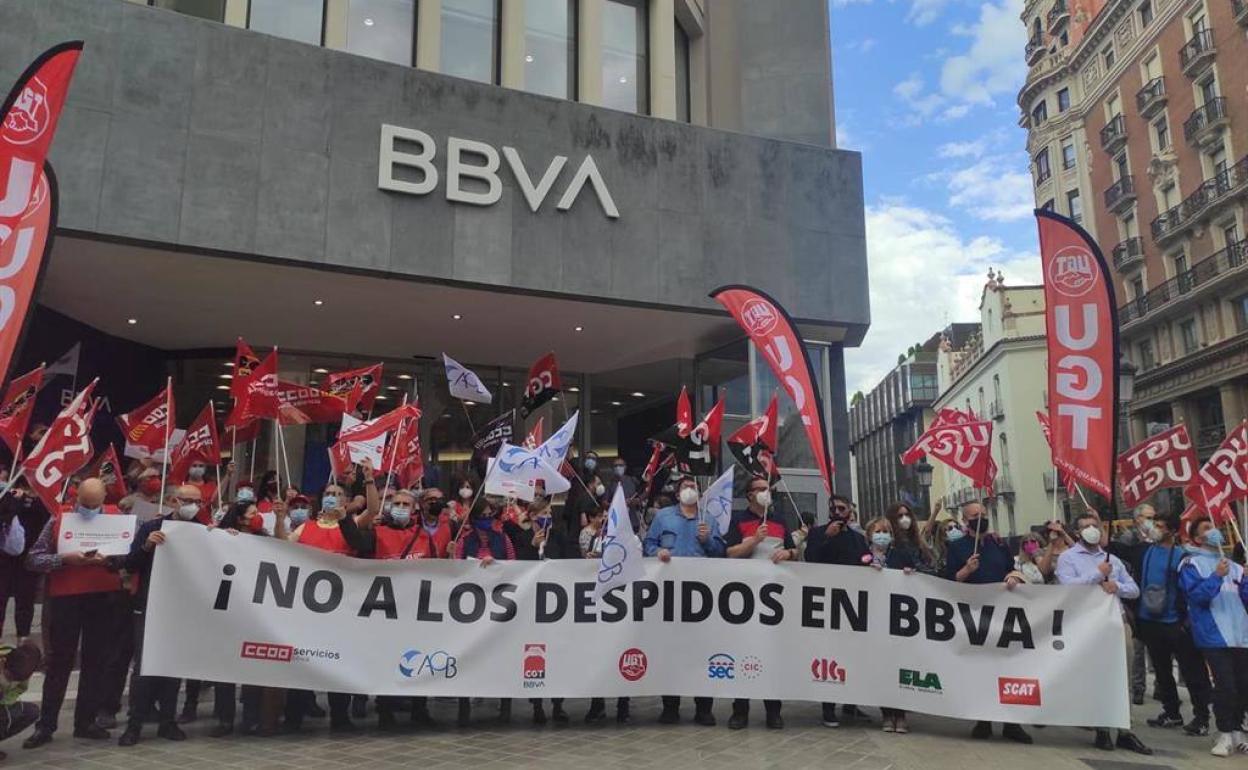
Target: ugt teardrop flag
772, 331
28, 120
1081, 319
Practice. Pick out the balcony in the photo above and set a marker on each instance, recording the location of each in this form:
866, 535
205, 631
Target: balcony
1211, 193
1239, 8
1150, 99
1058, 15
1120, 195
1204, 126
1203, 274
1197, 54
1034, 50
996, 410
1114, 134
1208, 438
1129, 255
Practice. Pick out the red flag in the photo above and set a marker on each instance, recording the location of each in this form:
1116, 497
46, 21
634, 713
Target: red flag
1067, 480
1081, 319
542, 385
28, 195
107, 468
340, 458
244, 433
684, 413
656, 458
148, 425
302, 404
359, 387
964, 446
761, 429
200, 444
381, 425
245, 362
18, 405
707, 432
775, 336
63, 450
403, 451
1164, 460
534, 439
259, 398
1224, 478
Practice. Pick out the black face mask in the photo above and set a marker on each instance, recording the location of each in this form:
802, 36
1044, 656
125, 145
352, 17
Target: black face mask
436, 507
980, 525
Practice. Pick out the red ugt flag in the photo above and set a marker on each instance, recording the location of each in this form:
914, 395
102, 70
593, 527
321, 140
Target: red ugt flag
63, 450
1224, 478
964, 446
200, 443
107, 468
28, 120
1167, 459
148, 425
18, 405
358, 386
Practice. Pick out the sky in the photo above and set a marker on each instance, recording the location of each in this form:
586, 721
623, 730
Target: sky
925, 90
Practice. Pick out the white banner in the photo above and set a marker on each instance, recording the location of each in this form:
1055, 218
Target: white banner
110, 534
283, 615
359, 450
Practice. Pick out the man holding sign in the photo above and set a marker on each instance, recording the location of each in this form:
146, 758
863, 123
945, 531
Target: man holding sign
79, 588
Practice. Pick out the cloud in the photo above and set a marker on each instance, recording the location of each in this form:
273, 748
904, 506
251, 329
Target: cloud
971, 149
991, 65
995, 188
920, 103
924, 274
955, 112
864, 45
924, 12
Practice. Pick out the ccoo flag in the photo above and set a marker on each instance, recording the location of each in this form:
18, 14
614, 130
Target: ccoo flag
772, 331
1081, 320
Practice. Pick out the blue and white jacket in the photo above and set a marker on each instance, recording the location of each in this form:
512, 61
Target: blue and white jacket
1215, 605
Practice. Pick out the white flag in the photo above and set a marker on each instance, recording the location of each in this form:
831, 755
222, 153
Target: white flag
554, 450
358, 450
515, 470
464, 383
620, 562
66, 364
717, 502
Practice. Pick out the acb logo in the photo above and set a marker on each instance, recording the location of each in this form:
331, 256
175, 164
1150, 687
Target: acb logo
414, 664
827, 670
909, 679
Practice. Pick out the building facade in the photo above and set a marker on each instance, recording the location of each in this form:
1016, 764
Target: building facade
364, 180
994, 375
1137, 120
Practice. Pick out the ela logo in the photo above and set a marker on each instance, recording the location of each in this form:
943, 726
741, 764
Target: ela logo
633, 664
721, 666
534, 666
1019, 692
910, 679
827, 671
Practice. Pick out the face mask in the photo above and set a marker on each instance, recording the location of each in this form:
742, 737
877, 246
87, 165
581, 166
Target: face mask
619, 471
245, 495
401, 515
688, 496
466, 493
298, 516
904, 522
1148, 529
329, 502
485, 523
590, 463
1213, 538
954, 535
89, 513
256, 524
763, 498
1091, 534
151, 486
881, 539
980, 525
188, 511
542, 522
436, 507
600, 490
1030, 547
4, 485
197, 472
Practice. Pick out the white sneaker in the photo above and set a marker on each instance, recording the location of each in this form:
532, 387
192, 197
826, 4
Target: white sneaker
1223, 746
1240, 741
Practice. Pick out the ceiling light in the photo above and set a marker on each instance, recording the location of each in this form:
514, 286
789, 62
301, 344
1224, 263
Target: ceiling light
392, 387
368, 22
379, 398
405, 376
506, 384
226, 376
616, 403
223, 387
320, 370
470, 403
132, 321
457, 317
578, 328
556, 398
229, 364
574, 389
528, 57
637, 394
318, 302
595, 411
623, 78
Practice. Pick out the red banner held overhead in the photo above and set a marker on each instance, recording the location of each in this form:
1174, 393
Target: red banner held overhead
1224, 478
1167, 459
18, 405
200, 444
28, 120
64, 449
963, 445
303, 404
775, 336
1081, 319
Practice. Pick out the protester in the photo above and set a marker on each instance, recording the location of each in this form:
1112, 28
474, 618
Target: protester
1216, 598
149, 692
82, 596
1160, 623
482, 538
590, 539
620, 478
17, 665
1129, 547
458, 508
886, 554
806, 522
906, 536
20, 510
683, 532
974, 554
585, 496
1033, 564
753, 534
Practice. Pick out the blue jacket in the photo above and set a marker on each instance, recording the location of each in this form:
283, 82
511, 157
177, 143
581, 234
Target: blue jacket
995, 559
671, 530
1215, 605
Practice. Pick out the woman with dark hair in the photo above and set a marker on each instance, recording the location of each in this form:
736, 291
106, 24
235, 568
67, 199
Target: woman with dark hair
887, 553
905, 530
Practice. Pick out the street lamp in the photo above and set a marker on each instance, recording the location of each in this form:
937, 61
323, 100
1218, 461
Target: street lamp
924, 472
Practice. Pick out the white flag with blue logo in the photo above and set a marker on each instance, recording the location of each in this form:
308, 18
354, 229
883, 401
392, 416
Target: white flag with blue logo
515, 470
464, 383
554, 450
620, 562
717, 502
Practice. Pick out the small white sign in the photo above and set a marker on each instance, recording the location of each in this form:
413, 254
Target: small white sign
765, 549
358, 450
110, 534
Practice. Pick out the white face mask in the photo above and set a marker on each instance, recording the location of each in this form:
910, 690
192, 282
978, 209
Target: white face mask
465, 493
1091, 534
763, 498
188, 511
600, 490
904, 522
688, 496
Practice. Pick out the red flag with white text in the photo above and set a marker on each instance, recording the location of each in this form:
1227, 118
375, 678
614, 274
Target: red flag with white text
18, 405
1167, 459
379, 426
64, 449
148, 425
1223, 478
245, 362
775, 336
966, 447
754, 444
302, 404
259, 395
200, 444
28, 194
1081, 319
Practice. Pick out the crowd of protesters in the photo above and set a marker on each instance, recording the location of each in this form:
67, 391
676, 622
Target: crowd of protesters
1182, 597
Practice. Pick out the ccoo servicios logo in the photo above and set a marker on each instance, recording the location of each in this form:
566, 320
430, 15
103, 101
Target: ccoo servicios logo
286, 653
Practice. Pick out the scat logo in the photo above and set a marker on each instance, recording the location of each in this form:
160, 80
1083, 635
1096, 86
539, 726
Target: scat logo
1073, 271
1016, 691
721, 666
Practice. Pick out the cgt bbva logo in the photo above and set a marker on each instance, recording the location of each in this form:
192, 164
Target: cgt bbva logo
721, 666
827, 671
534, 666
909, 679
1015, 691
415, 664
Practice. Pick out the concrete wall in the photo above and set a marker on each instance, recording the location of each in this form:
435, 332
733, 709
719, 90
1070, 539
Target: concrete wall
194, 133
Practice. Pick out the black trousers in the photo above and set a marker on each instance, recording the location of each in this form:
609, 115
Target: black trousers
225, 704
17, 717
150, 693
1168, 643
21, 584
700, 705
298, 701
85, 621
117, 670
742, 706
1229, 666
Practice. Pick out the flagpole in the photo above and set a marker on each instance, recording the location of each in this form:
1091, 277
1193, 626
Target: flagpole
14, 474
164, 461
281, 438
1056, 478
472, 427
252, 452
277, 460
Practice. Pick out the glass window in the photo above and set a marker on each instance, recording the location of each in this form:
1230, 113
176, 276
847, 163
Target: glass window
1230, 234
1208, 91
1187, 333
1068, 154
1042, 166
299, 20
470, 39
625, 74
1161, 129
1168, 197
1040, 112
1180, 264
682, 74
382, 29
550, 48
1108, 56
1147, 360
1240, 304
1137, 287
204, 9
1146, 13
1049, 205
1063, 100
1120, 166
1075, 206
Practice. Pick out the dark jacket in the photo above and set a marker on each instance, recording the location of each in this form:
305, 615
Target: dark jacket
995, 559
139, 561
848, 547
30, 511
557, 543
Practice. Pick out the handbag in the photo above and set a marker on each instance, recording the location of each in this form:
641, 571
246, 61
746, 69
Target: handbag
1154, 598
